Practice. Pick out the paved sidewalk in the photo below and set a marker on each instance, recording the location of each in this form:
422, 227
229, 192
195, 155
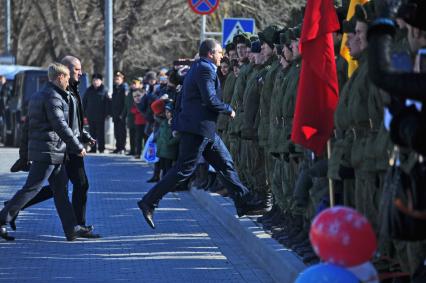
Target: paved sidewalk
189, 245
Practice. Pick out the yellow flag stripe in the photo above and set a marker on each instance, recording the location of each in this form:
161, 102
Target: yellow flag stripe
344, 50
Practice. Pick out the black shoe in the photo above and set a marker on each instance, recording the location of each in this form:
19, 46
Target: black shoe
87, 228
118, 151
82, 232
4, 235
101, 151
12, 223
148, 213
130, 153
20, 165
153, 180
93, 150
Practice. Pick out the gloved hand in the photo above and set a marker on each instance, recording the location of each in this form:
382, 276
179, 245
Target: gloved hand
387, 8
20, 165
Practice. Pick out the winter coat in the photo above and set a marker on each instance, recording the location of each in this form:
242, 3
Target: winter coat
167, 145
95, 103
49, 135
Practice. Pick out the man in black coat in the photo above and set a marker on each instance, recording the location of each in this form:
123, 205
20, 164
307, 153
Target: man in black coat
74, 164
119, 93
49, 138
94, 104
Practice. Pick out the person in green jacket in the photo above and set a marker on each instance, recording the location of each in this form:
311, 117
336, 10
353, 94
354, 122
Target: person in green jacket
167, 144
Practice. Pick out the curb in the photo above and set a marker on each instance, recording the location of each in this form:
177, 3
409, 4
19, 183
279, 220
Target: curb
282, 264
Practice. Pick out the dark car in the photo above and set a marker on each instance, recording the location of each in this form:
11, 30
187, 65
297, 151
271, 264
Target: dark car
25, 84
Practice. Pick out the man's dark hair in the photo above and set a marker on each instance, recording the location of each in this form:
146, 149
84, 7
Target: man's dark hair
208, 45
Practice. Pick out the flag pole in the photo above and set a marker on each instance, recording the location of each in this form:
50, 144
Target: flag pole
330, 181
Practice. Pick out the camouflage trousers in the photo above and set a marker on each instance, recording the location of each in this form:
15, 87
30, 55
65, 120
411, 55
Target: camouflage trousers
253, 166
283, 181
368, 192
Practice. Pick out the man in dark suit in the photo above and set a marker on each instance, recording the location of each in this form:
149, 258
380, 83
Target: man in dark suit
50, 136
197, 112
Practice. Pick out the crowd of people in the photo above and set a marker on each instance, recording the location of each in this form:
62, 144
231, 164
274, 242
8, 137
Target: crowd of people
373, 136
376, 163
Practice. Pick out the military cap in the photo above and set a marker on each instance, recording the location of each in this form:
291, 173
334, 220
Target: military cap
414, 13
119, 74
349, 25
286, 37
269, 35
283, 36
256, 46
230, 46
365, 13
242, 37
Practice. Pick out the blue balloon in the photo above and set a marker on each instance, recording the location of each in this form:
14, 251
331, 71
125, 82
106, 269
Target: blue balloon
326, 273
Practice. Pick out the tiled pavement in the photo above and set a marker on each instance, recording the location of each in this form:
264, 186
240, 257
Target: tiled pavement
189, 245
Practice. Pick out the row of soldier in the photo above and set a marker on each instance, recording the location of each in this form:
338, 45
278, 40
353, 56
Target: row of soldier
262, 88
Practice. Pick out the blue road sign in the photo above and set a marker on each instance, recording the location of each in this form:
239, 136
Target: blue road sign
203, 7
233, 26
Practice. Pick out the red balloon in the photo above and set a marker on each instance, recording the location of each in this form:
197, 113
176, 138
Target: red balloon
343, 236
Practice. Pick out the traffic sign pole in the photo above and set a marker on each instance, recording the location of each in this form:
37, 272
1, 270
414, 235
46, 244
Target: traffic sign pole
203, 8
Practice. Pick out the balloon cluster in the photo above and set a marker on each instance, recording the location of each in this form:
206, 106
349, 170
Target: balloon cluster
344, 239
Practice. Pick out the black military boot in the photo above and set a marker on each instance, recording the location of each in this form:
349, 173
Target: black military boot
294, 230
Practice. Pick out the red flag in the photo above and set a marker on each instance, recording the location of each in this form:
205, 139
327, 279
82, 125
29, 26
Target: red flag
318, 89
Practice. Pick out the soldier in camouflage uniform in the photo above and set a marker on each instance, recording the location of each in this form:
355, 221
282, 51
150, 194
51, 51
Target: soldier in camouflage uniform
251, 155
275, 129
269, 36
242, 41
290, 154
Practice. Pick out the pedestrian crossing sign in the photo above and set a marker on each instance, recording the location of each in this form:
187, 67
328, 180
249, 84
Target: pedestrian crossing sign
233, 26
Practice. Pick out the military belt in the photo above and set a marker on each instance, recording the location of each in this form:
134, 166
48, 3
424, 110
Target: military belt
359, 132
287, 120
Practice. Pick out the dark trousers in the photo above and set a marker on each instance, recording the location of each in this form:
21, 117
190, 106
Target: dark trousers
165, 165
191, 148
97, 131
132, 134
120, 133
39, 173
140, 138
77, 175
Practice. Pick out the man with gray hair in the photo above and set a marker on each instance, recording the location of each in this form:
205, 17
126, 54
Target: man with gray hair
49, 138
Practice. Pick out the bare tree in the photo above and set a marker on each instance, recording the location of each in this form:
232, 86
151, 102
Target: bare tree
147, 33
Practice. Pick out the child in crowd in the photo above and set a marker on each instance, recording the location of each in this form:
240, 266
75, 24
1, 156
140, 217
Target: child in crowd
167, 144
139, 121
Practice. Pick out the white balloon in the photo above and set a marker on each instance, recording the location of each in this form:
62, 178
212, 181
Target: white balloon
365, 272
